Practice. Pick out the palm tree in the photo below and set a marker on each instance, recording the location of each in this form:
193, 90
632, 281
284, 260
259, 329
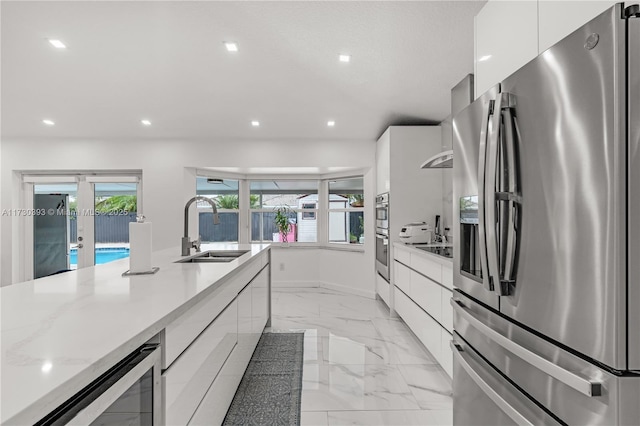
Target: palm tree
231, 201
118, 203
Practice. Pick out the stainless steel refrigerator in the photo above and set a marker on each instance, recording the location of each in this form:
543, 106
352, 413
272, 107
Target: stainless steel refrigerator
547, 268
50, 234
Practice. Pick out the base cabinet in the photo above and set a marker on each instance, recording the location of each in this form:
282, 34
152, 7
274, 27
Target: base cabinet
421, 296
199, 385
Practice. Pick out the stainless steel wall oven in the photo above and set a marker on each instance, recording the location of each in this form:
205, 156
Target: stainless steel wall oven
382, 235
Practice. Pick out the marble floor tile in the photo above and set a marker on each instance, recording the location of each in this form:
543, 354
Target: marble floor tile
382, 418
338, 349
343, 326
429, 384
407, 349
361, 366
442, 417
313, 418
354, 387
355, 306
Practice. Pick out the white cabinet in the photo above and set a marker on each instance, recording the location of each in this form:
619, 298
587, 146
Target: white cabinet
259, 302
446, 358
422, 288
187, 380
402, 277
506, 35
208, 347
382, 289
558, 19
383, 163
427, 294
415, 194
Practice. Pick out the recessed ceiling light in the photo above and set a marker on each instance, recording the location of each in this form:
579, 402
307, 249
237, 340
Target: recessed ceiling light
484, 58
331, 123
48, 122
57, 44
345, 58
231, 47
146, 122
255, 123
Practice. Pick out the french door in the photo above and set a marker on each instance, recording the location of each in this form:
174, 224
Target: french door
76, 221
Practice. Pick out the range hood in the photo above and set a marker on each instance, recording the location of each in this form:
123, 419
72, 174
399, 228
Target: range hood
442, 160
461, 97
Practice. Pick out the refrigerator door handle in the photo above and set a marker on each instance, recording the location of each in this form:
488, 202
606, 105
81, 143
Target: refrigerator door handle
585, 386
490, 200
482, 158
507, 408
510, 200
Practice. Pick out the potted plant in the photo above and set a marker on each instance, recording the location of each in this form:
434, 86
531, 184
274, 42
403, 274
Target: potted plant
282, 221
356, 200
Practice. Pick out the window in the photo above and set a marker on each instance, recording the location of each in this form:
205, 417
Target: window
224, 192
296, 198
307, 215
346, 210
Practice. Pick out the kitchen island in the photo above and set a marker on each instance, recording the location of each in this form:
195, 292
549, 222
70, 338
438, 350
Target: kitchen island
61, 332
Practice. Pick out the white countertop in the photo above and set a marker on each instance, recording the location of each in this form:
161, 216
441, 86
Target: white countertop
413, 248
61, 332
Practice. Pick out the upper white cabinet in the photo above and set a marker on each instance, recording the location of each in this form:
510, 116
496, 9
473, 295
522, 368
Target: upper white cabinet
508, 34
383, 163
506, 39
558, 19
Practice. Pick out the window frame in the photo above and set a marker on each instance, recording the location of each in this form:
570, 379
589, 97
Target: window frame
297, 210
345, 244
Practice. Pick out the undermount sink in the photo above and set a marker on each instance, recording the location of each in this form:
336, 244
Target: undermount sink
214, 256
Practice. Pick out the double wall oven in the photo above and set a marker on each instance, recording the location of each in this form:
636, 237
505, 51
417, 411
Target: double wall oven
382, 235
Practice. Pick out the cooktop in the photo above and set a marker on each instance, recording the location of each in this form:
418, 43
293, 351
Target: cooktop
442, 251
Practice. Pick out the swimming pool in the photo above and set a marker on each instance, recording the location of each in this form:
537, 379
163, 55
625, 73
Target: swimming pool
103, 255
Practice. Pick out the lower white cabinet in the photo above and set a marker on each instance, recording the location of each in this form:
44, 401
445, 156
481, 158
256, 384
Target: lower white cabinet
382, 289
446, 359
187, 380
259, 302
422, 288
205, 369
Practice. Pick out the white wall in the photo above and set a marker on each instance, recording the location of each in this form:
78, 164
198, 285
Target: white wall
167, 185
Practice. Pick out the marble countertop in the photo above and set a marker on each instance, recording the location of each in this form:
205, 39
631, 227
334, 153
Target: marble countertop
413, 248
61, 332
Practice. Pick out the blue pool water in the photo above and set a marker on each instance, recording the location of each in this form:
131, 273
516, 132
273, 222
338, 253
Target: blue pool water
103, 255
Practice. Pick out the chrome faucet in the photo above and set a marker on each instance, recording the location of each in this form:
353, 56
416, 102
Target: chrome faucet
186, 244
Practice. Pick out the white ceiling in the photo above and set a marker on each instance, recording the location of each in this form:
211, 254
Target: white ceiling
165, 61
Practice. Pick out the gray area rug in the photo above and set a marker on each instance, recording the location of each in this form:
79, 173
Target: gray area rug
271, 388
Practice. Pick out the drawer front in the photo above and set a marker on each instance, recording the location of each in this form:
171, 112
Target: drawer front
427, 294
402, 277
217, 401
259, 301
382, 288
431, 336
180, 333
447, 310
245, 332
187, 380
446, 358
402, 255
422, 325
447, 276
426, 266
